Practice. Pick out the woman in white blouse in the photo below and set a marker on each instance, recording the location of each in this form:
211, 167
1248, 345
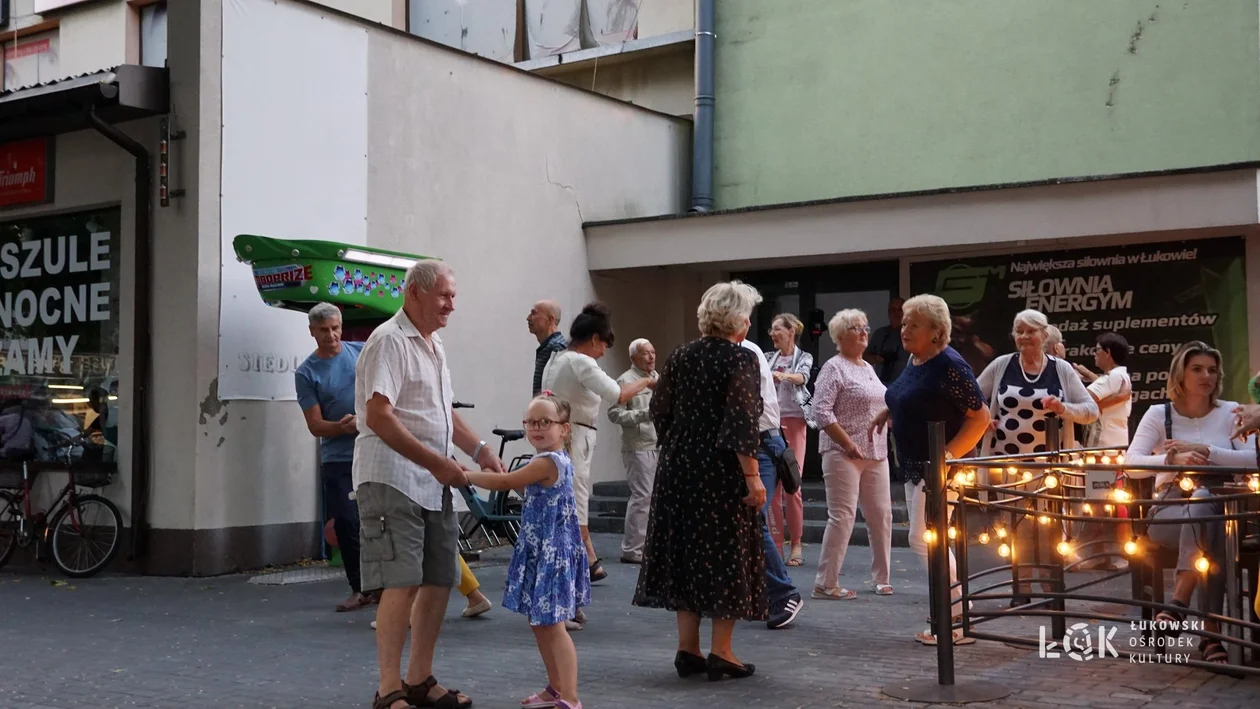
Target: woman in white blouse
847, 398
1194, 429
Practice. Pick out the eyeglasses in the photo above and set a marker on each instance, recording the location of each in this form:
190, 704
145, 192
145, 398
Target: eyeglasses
865, 329
539, 424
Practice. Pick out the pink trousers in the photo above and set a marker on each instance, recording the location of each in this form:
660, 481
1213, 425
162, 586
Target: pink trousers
850, 484
794, 434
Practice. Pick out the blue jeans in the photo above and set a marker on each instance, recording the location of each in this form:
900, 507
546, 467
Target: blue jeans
778, 584
344, 512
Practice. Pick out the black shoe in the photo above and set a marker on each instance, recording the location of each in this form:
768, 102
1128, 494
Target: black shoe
784, 612
718, 667
597, 571
688, 664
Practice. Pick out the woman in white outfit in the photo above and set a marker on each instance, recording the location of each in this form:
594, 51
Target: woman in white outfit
575, 377
847, 397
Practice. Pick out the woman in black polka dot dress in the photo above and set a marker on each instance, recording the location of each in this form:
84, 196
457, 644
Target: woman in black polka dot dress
1022, 389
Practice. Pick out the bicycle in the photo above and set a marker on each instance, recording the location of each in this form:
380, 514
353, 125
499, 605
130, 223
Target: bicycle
83, 531
500, 513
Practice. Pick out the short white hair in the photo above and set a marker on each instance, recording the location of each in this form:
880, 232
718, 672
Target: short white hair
425, 272
724, 308
842, 321
1034, 319
1054, 336
935, 310
323, 312
638, 345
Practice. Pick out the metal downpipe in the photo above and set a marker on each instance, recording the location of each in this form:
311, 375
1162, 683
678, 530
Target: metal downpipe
702, 122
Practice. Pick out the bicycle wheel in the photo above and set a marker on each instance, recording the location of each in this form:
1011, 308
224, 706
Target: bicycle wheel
9, 515
86, 535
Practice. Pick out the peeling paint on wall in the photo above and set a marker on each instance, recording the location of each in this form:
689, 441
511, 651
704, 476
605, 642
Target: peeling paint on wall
211, 406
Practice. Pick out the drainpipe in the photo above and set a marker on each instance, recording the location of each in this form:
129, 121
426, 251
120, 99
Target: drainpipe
702, 123
142, 360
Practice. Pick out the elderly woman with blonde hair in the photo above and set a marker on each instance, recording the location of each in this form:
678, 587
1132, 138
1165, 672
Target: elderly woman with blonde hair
704, 556
791, 367
936, 385
847, 397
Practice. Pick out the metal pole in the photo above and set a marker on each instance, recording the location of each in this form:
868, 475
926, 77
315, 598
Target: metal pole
1058, 623
938, 553
702, 121
1233, 605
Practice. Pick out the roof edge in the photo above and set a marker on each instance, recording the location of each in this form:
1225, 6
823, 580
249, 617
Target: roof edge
1206, 169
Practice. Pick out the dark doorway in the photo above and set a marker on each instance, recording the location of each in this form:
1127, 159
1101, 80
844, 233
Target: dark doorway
814, 295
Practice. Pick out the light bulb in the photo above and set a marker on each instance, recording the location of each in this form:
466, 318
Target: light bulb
1052, 482
1120, 459
1004, 550
1108, 508
1121, 495
1090, 460
1202, 565
1043, 519
952, 533
1027, 475
961, 479
1187, 484
1089, 509
971, 477
929, 536
1001, 532
1064, 548
1131, 547
1105, 460
1012, 470
1253, 484
983, 538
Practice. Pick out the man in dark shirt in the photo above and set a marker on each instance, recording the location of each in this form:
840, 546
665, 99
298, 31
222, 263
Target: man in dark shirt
544, 325
885, 352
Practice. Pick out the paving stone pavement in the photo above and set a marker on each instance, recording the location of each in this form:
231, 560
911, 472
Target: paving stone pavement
222, 642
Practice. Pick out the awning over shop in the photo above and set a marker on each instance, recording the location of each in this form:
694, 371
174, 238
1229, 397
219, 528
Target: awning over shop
124, 93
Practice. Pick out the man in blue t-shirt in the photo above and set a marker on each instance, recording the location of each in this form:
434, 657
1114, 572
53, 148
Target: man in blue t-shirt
325, 391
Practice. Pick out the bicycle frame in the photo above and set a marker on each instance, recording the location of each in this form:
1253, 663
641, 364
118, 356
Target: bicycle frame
37, 518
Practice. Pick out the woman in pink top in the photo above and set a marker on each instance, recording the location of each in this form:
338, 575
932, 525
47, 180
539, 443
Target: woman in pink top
847, 398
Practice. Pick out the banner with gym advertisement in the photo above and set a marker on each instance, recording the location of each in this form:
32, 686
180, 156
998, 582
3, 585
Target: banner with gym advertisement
1157, 296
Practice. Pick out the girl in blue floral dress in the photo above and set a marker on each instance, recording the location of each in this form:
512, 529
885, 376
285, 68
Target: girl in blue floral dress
548, 578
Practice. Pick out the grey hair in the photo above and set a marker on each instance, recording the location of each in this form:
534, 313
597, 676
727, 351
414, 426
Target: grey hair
424, 274
323, 312
725, 307
1054, 336
638, 345
842, 321
1034, 319
935, 310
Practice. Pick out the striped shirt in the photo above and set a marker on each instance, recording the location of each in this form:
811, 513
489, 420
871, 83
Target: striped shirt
554, 343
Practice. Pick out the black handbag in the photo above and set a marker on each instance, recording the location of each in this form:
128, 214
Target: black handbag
787, 470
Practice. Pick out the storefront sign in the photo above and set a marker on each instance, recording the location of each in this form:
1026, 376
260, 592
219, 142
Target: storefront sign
24, 173
1157, 296
31, 61
59, 294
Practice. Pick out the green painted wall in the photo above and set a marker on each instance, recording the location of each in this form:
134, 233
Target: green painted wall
831, 98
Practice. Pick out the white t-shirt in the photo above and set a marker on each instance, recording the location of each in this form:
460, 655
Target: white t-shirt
769, 420
1212, 430
577, 379
1115, 420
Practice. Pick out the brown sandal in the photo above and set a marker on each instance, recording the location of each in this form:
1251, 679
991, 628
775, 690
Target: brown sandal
418, 695
387, 701
354, 602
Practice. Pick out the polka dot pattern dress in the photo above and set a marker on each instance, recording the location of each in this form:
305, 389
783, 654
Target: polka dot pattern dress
704, 551
1021, 419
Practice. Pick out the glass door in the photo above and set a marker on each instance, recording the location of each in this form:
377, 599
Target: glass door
815, 295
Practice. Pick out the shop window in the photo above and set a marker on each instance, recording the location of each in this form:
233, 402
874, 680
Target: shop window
153, 35
59, 334
31, 60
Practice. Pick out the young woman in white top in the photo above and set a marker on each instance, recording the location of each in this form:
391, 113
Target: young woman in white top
1194, 429
574, 377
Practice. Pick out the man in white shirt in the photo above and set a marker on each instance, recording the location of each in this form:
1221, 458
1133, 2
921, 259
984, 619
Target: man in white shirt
1112, 390
403, 470
785, 600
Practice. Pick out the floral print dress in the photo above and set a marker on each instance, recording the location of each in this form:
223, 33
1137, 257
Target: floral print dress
547, 579
704, 552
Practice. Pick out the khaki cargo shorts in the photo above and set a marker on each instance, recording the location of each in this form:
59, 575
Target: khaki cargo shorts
403, 545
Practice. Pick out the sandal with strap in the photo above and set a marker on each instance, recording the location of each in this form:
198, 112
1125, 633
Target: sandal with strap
928, 638
418, 695
883, 589
597, 571
387, 701
1213, 651
1169, 624
839, 593
546, 699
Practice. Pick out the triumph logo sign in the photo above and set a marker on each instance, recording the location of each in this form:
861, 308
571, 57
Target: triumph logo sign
24, 173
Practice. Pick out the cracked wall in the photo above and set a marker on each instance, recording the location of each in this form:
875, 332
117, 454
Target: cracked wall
834, 98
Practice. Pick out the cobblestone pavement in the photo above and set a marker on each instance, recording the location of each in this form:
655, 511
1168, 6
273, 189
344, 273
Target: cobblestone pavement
159, 642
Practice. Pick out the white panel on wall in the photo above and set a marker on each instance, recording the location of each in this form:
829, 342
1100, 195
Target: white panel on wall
553, 26
294, 166
483, 27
